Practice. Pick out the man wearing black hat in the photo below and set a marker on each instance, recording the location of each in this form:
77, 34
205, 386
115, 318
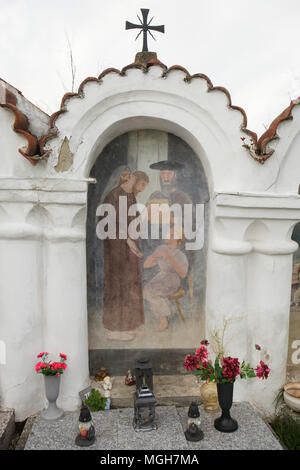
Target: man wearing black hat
169, 191
168, 195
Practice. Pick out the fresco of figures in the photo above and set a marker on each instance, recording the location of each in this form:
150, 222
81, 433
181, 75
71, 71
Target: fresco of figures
293, 364
146, 244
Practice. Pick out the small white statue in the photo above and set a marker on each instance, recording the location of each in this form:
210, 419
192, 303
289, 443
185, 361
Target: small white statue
107, 386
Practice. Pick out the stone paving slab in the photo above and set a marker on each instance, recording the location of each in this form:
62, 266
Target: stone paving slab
167, 435
61, 433
114, 431
7, 427
252, 433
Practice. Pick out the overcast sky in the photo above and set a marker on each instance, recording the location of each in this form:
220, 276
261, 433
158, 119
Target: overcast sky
249, 46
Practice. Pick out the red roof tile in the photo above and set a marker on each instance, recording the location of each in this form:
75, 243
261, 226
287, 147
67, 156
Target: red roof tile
9, 101
21, 127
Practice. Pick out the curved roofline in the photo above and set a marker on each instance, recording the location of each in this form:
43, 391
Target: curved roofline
165, 72
258, 149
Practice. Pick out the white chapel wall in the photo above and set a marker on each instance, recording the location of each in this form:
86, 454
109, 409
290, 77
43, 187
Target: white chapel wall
246, 265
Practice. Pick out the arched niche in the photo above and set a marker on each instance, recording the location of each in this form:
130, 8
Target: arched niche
137, 150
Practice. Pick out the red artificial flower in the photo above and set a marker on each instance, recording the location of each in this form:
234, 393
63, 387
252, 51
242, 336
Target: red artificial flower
58, 374
190, 362
42, 354
262, 371
63, 365
205, 342
201, 354
231, 367
257, 346
63, 356
38, 366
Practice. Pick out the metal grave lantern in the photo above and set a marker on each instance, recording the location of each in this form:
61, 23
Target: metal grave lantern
144, 410
143, 373
193, 432
86, 435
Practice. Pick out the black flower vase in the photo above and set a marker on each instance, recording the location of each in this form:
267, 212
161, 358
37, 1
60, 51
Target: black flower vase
225, 423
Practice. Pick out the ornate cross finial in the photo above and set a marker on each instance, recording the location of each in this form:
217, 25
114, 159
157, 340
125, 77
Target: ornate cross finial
145, 28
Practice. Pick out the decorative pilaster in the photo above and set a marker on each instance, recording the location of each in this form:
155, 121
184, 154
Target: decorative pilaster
249, 281
226, 298
21, 323
269, 293
65, 298
42, 288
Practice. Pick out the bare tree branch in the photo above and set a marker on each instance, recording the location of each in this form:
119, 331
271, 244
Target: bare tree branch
72, 64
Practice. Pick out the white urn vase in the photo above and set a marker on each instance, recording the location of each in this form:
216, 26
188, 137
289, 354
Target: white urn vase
52, 383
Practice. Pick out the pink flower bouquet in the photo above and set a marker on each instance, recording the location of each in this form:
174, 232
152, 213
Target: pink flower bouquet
46, 367
224, 369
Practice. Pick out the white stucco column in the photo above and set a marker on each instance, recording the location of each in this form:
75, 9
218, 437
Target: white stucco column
65, 301
42, 290
249, 271
21, 325
269, 287
227, 288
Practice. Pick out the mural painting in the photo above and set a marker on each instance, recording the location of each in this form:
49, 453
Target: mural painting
146, 272
293, 364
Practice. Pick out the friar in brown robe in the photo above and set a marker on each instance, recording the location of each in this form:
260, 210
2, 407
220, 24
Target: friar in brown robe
123, 306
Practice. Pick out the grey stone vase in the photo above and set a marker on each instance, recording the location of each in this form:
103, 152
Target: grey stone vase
52, 383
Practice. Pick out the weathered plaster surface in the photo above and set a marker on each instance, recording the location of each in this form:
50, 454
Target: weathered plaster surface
65, 158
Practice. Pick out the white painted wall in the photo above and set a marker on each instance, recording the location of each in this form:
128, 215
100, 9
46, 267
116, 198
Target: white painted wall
42, 230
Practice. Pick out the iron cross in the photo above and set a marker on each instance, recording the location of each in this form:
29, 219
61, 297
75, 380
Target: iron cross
145, 27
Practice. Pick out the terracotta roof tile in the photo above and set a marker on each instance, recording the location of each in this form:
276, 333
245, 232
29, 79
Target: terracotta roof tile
156, 62
21, 127
9, 100
177, 67
270, 133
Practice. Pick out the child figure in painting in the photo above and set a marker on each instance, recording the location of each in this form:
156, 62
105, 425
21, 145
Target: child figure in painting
173, 266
